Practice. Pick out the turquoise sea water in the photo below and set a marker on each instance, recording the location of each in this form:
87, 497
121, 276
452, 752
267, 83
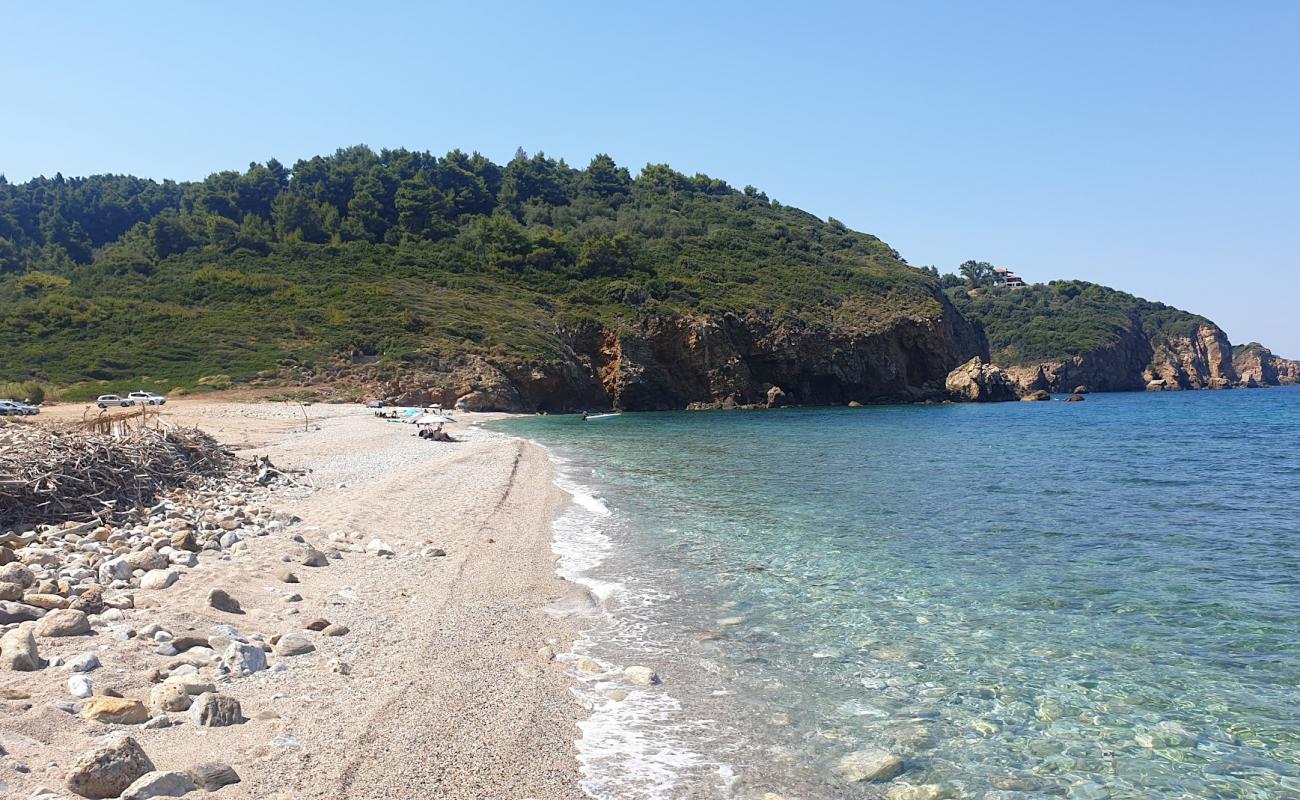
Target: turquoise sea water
1022, 600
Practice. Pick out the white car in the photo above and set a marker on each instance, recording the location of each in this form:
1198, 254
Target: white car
14, 408
147, 398
106, 400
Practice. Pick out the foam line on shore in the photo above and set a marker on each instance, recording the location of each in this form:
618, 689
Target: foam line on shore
637, 747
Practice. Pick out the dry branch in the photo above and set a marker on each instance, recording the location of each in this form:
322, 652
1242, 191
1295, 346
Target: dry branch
49, 475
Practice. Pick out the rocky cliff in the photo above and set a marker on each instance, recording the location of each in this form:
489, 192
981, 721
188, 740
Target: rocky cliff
1136, 361
727, 361
1256, 365
1066, 334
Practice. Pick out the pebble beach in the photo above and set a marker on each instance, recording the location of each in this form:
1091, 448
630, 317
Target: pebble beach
375, 626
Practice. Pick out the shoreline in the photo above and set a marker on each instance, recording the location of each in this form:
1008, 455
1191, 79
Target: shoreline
450, 688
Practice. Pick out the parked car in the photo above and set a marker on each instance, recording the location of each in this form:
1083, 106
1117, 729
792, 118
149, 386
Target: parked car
15, 409
147, 398
106, 400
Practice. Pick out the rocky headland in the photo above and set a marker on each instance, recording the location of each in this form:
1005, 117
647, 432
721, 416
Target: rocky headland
1256, 365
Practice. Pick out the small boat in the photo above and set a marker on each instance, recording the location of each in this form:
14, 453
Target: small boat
588, 417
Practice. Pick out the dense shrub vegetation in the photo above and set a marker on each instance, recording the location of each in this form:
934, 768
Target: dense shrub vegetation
402, 255
1065, 318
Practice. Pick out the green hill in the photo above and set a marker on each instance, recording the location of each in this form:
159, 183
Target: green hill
1057, 320
403, 258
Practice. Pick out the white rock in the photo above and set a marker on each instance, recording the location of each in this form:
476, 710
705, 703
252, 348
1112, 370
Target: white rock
243, 659
183, 558
158, 579
81, 686
86, 662
379, 548
642, 676
115, 569
159, 784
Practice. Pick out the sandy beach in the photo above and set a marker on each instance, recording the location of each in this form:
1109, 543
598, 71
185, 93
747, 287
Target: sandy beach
444, 684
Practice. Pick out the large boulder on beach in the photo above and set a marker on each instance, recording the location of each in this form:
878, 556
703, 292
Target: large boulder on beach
11, 613
977, 382
63, 622
17, 573
18, 650
869, 766
108, 770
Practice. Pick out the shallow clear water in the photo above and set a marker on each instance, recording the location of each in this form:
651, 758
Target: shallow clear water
1092, 600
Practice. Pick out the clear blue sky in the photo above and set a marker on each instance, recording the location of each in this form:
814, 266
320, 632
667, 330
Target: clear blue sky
1153, 146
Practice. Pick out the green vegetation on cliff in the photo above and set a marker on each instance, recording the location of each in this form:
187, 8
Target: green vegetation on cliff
401, 255
1060, 319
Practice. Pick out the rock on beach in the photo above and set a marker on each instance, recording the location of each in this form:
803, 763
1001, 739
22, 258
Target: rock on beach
159, 784
107, 771
221, 600
211, 710
213, 775
18, 650
63, 622
115, 710
242, 658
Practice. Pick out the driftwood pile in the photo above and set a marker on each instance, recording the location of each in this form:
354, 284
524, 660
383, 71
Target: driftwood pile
49, 475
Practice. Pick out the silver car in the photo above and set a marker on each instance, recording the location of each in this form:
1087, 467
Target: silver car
106, 400
15, 408
147, 398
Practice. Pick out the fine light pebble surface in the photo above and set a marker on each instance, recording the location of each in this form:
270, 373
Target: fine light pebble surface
429, 680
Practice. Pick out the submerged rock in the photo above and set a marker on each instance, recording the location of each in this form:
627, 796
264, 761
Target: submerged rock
869, 765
